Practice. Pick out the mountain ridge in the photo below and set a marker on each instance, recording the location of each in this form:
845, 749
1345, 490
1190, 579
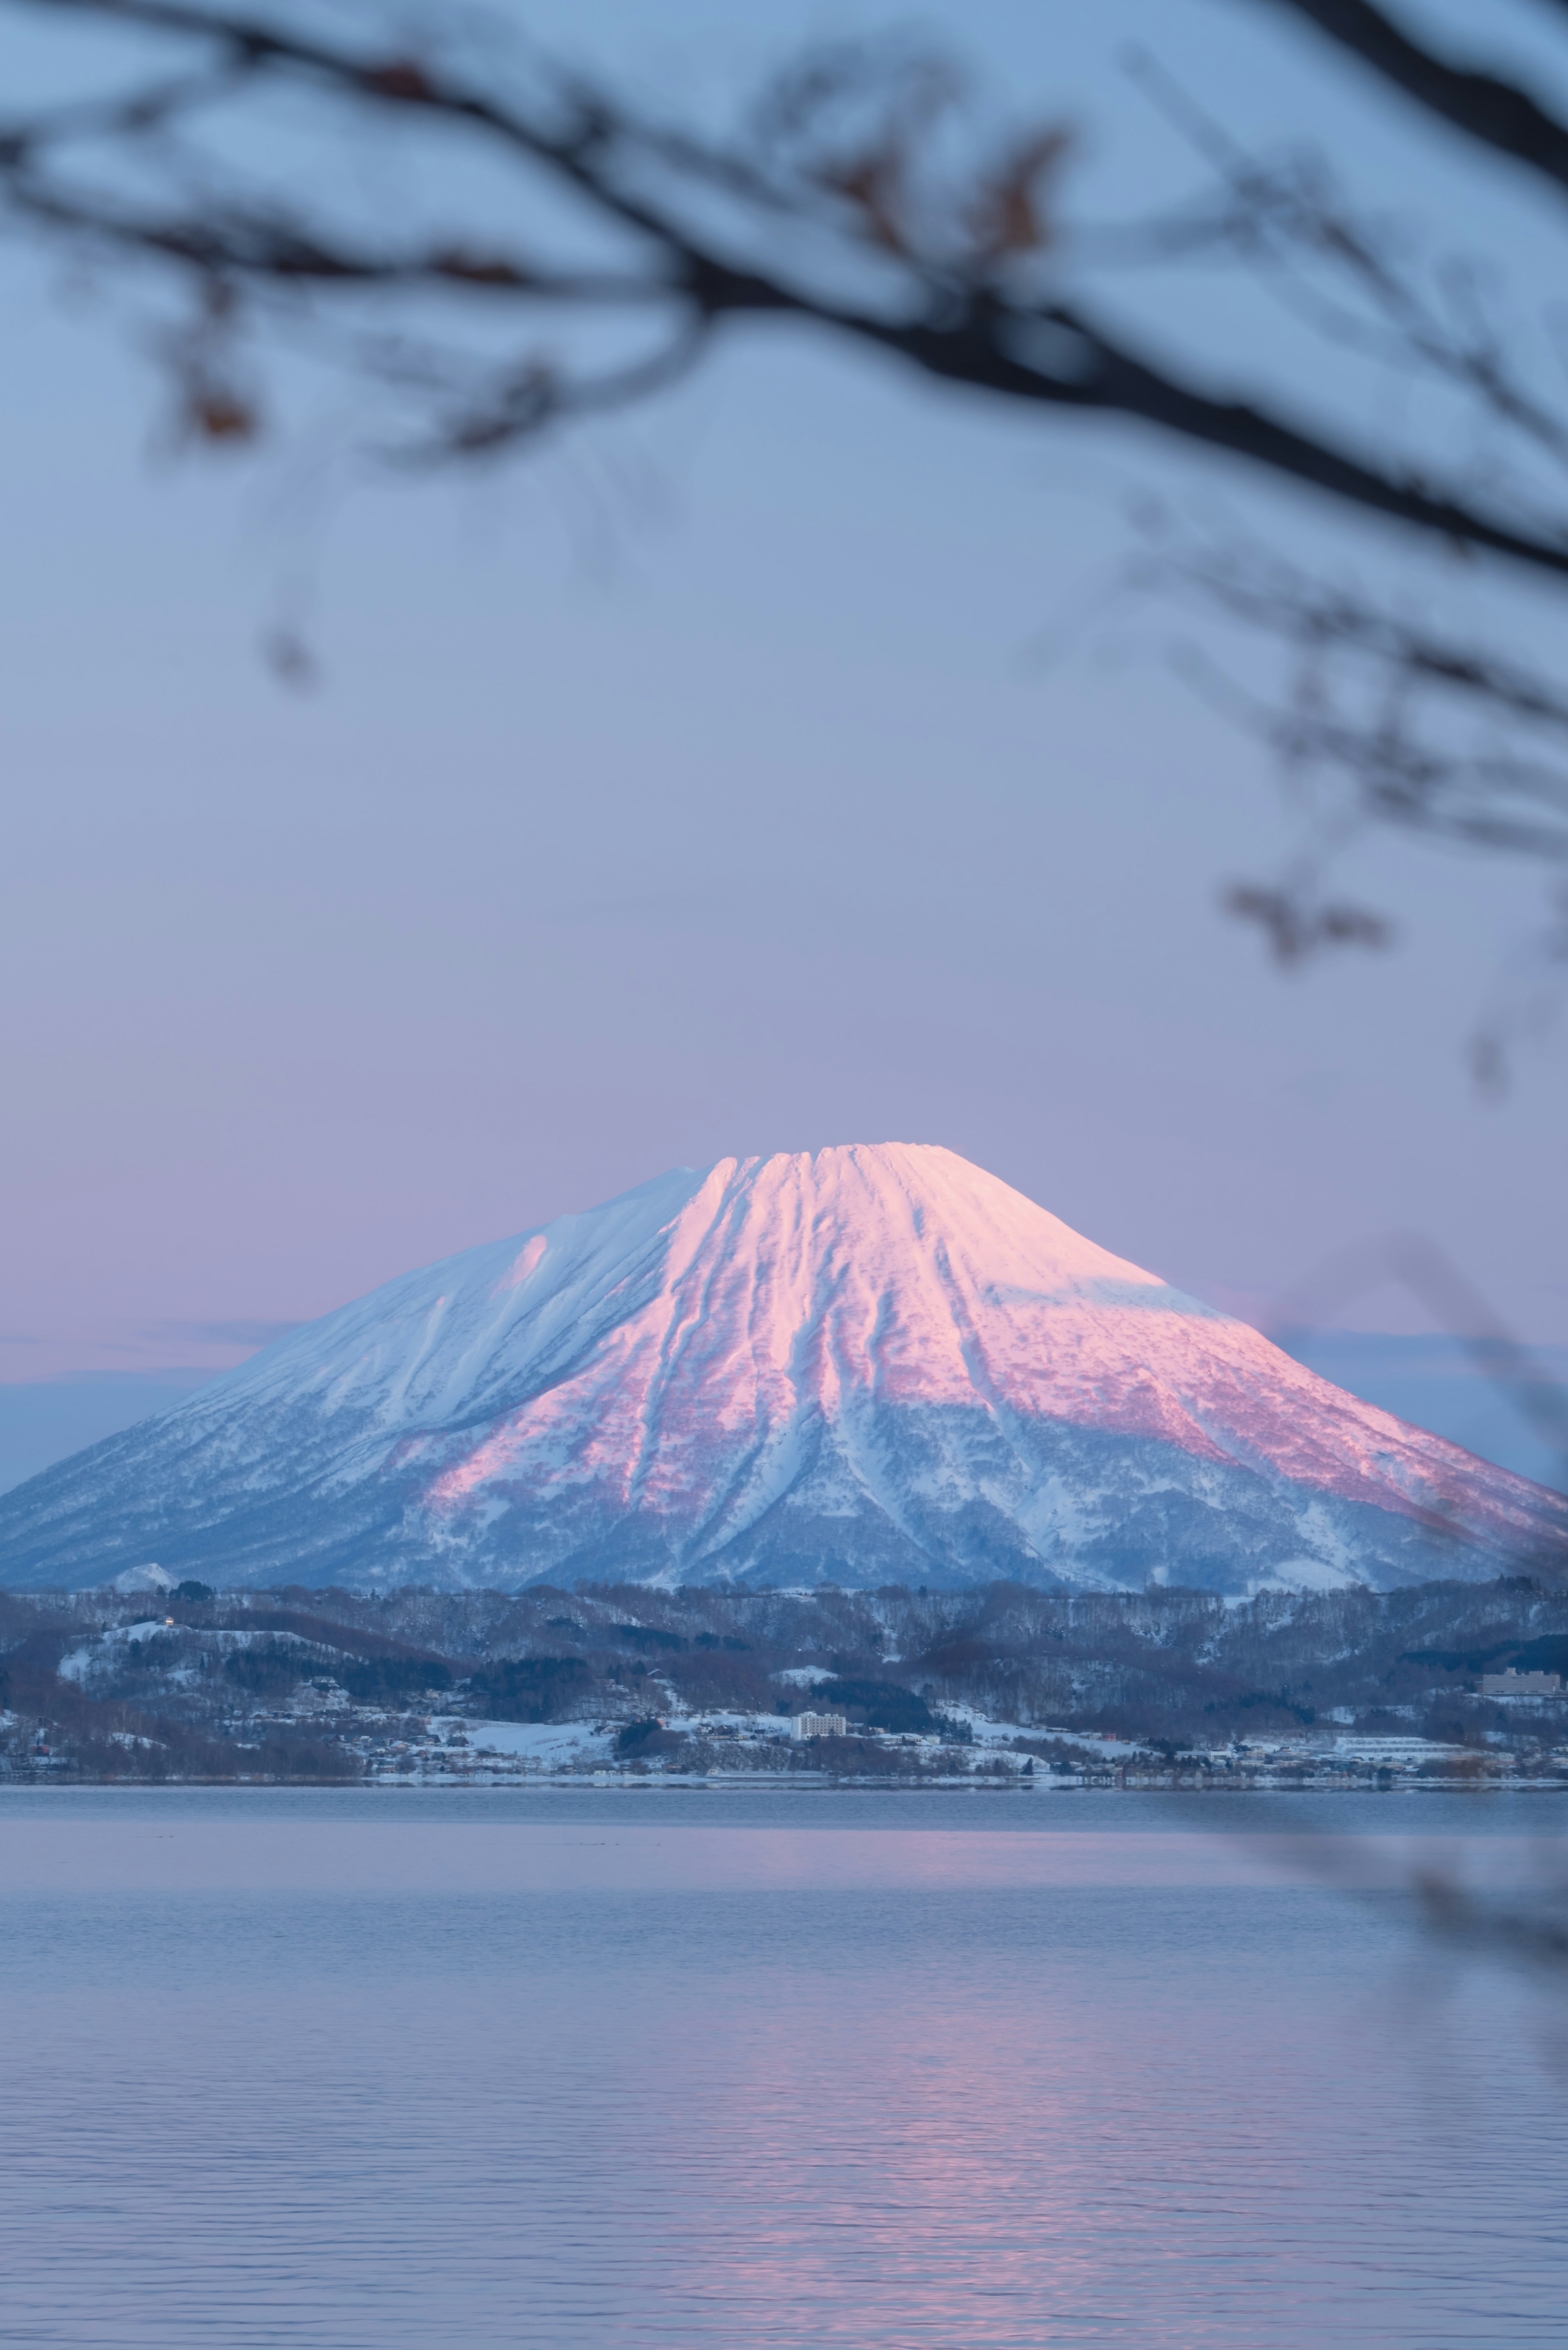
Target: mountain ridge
867, 1363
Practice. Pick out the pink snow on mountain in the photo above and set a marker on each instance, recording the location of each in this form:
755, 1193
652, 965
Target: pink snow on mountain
802, 1285
865, 1364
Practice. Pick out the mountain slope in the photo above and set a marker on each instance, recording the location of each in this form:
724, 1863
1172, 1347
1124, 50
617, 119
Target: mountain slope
870, 1364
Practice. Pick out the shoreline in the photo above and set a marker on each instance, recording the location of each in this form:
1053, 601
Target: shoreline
799, 1782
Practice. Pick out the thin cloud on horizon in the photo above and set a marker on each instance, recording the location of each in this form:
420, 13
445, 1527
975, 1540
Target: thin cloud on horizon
220, 1333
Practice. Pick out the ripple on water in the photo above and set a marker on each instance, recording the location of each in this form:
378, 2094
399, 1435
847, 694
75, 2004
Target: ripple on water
260, 2089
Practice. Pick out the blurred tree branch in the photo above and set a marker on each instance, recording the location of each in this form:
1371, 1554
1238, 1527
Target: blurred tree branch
1495, 113
602, 252
947, 307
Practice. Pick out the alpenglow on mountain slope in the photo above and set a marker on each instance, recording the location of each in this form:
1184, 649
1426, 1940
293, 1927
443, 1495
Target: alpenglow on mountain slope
866, 1365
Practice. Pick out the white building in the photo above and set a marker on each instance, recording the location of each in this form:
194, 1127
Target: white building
1394, 1753
1513, 1684
819, 1725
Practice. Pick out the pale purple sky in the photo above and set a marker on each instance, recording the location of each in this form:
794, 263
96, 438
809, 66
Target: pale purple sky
683, 793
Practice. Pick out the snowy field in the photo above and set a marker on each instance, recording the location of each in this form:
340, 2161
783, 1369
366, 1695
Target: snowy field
545, 1744
571, 1745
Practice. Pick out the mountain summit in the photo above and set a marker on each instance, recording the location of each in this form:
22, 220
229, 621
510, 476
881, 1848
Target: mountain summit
864, 1365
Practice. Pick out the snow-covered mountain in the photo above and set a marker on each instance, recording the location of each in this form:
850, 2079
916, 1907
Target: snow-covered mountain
865, 1364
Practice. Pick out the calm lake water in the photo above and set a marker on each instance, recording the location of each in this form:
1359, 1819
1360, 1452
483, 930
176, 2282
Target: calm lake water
371, 2070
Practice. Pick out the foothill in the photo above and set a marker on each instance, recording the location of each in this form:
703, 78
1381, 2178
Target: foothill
997, 1686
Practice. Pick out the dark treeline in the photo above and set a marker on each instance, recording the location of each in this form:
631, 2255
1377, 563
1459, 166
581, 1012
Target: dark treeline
1167, 1663
1174, 1666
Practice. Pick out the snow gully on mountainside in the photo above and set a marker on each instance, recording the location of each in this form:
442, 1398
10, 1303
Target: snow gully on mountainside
870, 1364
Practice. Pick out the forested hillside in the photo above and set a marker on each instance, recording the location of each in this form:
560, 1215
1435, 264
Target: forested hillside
306, 1683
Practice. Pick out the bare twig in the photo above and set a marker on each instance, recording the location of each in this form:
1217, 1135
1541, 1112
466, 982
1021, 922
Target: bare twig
957, 325
1496, 113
